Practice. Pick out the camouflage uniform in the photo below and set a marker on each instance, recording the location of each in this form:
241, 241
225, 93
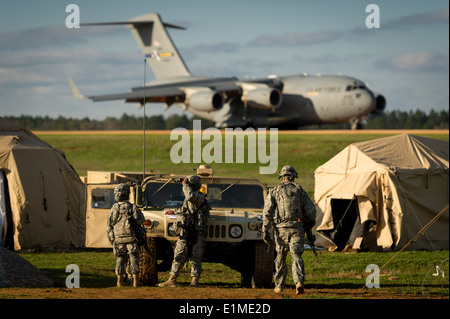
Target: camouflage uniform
289, 209
121, 236
191, 244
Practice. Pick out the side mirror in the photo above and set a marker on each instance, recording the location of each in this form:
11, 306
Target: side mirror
139, 196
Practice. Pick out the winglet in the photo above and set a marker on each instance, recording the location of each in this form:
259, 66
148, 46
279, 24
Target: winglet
75, 90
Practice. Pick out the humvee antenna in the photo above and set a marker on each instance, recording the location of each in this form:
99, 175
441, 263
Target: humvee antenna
143, 121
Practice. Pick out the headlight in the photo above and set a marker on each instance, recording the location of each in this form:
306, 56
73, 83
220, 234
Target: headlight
235, 231
171, 230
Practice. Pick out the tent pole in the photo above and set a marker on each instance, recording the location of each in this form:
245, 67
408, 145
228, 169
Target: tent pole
143, 125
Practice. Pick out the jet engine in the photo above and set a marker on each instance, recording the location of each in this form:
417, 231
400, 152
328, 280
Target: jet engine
380, 104
203, 99
261, 96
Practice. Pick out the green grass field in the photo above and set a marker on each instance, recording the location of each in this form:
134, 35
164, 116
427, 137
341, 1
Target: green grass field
410, 274
124, 152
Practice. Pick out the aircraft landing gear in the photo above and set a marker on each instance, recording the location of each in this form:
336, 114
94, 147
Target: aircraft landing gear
356, 124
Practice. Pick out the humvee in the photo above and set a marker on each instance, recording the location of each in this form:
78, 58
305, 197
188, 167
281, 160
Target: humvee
234, 232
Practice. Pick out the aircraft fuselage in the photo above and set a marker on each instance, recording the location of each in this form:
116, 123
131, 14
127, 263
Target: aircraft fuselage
305, 100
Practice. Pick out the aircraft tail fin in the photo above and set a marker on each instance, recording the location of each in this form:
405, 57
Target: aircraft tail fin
75, 90
153, 39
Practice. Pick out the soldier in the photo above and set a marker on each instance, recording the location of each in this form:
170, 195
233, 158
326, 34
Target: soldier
119, 228
191, 243
289, 210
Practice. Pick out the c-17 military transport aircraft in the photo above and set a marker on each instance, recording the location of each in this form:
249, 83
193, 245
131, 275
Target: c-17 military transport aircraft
283, 102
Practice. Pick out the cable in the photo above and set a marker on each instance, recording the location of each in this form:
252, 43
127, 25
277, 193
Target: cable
420, 233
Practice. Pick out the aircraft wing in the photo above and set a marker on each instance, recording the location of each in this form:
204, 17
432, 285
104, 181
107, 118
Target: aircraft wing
201, 94
156, 94
148, 94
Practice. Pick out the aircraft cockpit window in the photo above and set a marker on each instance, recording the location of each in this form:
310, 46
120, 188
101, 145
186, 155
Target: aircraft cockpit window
354, 87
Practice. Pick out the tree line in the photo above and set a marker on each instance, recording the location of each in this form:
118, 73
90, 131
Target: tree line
388, 120
410, 120
125, 122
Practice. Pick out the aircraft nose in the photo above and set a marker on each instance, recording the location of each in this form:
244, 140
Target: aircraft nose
366, 101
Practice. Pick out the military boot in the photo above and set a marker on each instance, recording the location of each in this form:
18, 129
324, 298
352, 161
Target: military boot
194, 282
278, 290
120, 280
299, 289
171, 282
136, 282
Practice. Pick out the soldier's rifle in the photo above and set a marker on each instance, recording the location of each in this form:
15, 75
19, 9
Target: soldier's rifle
140, 234
311, 238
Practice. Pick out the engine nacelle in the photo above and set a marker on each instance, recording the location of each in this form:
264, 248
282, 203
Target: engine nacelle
203, 99
261, 96
380, 104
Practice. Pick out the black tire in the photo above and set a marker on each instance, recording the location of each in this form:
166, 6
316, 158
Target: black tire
165, 254
263, 267
148, 274
257, 269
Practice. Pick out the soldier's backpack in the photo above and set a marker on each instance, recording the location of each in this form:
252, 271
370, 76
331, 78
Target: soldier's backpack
288, 201
125, 227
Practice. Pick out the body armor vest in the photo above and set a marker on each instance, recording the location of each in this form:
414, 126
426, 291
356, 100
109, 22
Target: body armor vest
123, 231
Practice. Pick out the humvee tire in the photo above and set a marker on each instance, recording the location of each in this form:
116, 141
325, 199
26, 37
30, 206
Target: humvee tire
264, 264
148, 274
257, 271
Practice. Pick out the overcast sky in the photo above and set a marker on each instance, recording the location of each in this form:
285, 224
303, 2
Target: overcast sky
406, 59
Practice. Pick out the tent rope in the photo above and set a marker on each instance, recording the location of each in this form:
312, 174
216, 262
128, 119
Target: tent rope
420, 233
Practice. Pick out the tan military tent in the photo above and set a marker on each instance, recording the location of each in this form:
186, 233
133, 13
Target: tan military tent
42, 197
378, 194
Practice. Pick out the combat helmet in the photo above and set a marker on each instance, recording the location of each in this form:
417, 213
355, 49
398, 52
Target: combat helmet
289, 171
195, 181
122, 192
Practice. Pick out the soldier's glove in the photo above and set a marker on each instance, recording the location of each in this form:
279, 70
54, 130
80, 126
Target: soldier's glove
266, 238
178, 227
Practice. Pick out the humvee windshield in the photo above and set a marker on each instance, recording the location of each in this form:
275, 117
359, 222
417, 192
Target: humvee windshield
235, 196
162, 195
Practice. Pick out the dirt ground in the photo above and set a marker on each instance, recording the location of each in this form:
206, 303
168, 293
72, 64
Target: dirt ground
202, 292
